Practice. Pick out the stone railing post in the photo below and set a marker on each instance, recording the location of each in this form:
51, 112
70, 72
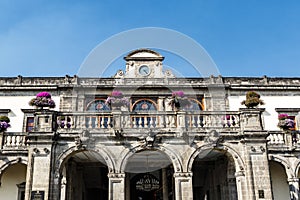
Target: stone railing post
181, 119
45, 121
183, 186
117, 119
251, 119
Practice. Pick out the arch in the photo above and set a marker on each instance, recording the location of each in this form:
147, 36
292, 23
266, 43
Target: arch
229, 152
200, 104
63, 157
9, 163
144, 99
94, 101
288, 169
126, 154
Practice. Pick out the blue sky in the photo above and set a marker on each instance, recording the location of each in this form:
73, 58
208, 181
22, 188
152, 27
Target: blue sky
244, 38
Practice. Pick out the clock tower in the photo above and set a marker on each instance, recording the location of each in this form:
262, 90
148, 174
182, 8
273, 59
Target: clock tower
144, 63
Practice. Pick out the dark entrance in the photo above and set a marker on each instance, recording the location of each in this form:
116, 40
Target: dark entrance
213, 177
145, 186
86, 177
149, 176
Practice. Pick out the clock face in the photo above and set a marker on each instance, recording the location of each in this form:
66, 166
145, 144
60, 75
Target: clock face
144, 70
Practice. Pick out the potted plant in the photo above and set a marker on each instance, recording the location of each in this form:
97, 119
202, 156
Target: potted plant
252, 100
117, 101
285, 122
4, 123
42, 99
179, 101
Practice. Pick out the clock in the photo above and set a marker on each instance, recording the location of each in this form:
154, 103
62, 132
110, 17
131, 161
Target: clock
144, 70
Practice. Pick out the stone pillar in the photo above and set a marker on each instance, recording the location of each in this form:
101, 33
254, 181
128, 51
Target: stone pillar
241, 185
116, 190
45, 121
160, 103
40, 172
183, 186
117, 119
63, 189
251, 119
165, 184
257, 172
294, 188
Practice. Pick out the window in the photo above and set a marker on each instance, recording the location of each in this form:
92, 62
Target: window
144, 105
29, 124
97, 105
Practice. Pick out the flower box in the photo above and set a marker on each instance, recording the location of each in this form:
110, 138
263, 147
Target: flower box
42, 99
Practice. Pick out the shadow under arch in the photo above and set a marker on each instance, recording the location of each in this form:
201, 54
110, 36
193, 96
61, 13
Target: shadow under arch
106, 157
227, 150
7, 164
214, 172
173, 158
290, 173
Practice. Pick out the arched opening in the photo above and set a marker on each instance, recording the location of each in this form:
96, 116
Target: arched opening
149, 176
280, 185
97, 105
214, 176
84, 177
143, 105
13, 182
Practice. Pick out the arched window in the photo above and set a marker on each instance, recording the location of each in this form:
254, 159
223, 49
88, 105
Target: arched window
194, 106
144, 105
97, 105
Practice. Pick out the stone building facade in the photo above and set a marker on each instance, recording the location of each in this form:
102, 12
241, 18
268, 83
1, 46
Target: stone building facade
210, 148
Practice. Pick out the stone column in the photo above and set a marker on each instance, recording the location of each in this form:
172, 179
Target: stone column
116, 190
183, 186
40, 143
63, 189
294, 188
240, 185
258, 173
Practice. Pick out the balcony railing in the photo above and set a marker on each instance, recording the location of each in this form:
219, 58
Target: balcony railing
106, 120
13, 141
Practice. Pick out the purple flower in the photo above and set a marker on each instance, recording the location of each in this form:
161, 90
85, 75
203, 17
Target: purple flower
116, 93
283, 116
178, 94
44, 94
117, 101
4, 125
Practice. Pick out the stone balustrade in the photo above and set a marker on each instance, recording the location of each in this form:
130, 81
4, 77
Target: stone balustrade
182, 119
13, 141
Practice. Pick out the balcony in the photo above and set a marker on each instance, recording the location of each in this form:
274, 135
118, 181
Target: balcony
230, 124
13, 142
191, 121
